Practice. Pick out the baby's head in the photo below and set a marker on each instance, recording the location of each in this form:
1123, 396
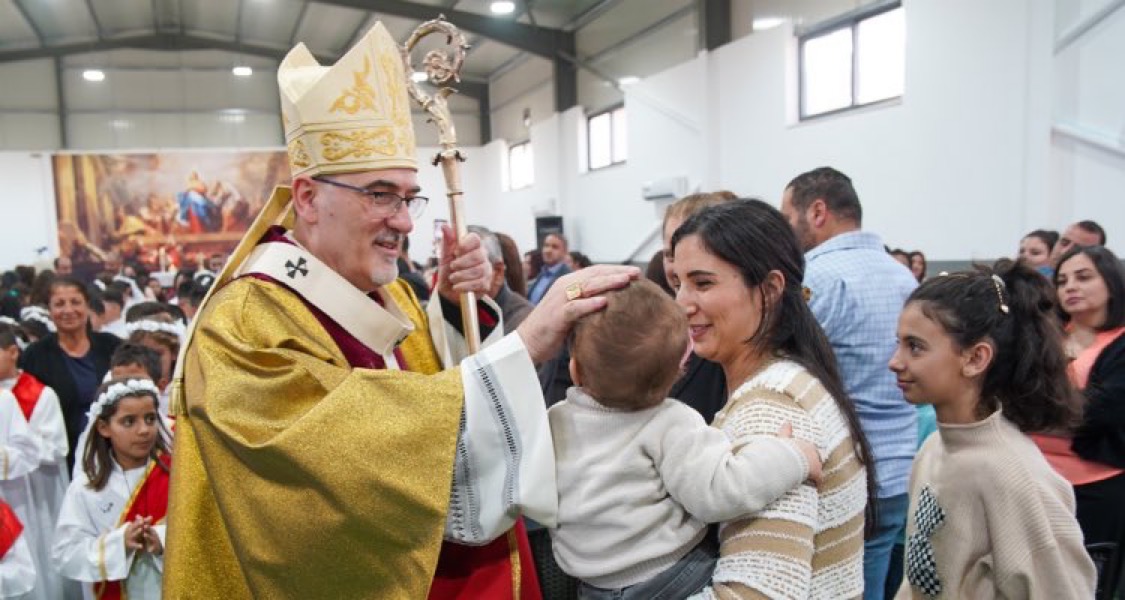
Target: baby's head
629, 355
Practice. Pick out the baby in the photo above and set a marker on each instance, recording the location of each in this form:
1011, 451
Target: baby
640, 475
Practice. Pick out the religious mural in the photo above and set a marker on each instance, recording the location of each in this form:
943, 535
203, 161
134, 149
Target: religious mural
164, 211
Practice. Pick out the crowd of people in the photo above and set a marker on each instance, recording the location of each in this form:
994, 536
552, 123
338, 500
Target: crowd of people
776, 408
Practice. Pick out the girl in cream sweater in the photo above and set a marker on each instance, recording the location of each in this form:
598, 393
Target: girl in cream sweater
989, 518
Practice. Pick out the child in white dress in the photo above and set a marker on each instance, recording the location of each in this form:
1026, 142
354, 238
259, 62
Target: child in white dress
111, 530
39, 406
17, 570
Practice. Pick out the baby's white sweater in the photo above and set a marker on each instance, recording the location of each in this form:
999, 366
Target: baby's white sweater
637, 489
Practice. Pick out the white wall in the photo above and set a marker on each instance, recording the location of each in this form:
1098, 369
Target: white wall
28, 209
960, 168
942, 171
1089, 98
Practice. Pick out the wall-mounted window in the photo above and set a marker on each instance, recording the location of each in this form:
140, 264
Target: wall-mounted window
607, 136
853, 61
521, 166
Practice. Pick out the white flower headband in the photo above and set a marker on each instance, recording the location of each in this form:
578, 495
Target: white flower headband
176, 328
39, 315
14, 323
117, 391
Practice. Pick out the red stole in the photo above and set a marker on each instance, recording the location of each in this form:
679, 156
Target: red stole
10, 528
150, 499
27, 391
502, 569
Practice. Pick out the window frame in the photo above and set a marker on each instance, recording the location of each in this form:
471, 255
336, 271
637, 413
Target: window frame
611, 111
531, 181
850, 21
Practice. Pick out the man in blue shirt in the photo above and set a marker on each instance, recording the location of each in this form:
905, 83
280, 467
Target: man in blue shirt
554, 251
858, 291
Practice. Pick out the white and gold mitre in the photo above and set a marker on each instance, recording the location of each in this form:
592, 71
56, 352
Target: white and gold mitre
351, 116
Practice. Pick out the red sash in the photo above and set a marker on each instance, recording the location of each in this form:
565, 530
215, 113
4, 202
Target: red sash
27, 391
10, 528
150, 499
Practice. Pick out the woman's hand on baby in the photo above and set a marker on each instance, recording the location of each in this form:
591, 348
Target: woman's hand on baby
812, 455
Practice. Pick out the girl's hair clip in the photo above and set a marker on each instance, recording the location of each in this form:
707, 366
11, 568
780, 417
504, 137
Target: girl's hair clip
999, 284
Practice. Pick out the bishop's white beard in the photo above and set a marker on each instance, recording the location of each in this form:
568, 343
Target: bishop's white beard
385, 274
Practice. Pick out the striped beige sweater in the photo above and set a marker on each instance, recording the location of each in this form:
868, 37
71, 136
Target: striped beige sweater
809, 543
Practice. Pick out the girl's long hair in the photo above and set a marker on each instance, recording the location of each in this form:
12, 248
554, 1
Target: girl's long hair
97, 458
1012, 308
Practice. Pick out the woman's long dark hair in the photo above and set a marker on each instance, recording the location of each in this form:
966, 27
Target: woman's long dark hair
1011, 307
755, 238
97, 460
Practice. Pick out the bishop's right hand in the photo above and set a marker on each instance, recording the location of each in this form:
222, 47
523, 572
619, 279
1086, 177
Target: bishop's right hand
570, 298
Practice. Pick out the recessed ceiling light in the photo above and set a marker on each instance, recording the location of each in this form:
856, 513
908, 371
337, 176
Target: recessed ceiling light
419, 76
767, 23
120, 124
242, 71
502, 8
93, 75
628, 80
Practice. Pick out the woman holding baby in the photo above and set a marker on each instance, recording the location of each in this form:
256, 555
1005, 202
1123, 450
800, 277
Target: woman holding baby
738, 271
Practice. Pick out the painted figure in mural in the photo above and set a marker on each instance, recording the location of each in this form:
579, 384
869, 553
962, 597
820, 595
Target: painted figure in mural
197, 212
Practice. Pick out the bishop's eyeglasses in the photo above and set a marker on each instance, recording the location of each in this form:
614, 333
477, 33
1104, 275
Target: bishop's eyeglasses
385, 202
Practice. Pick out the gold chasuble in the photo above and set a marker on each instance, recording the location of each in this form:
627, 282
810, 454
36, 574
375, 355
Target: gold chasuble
360, 516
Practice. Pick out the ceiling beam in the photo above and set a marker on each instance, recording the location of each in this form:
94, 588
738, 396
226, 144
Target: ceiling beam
297, 25
176, 42
636, 37
238, 23
516, 60
60, 102
541, 41
171, 42
587, 16
353, 39
22, 10
94, 18
714, 23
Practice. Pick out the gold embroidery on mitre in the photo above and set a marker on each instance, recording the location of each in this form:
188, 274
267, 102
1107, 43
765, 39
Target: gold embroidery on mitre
351, 116
360, 144
361, 96
298, 155
396, 90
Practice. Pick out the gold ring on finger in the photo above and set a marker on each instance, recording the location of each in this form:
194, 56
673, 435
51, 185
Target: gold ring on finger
574, 291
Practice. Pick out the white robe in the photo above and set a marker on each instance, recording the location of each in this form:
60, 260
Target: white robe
504, 465
88, 542
48, 483
19, 456
17, 570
